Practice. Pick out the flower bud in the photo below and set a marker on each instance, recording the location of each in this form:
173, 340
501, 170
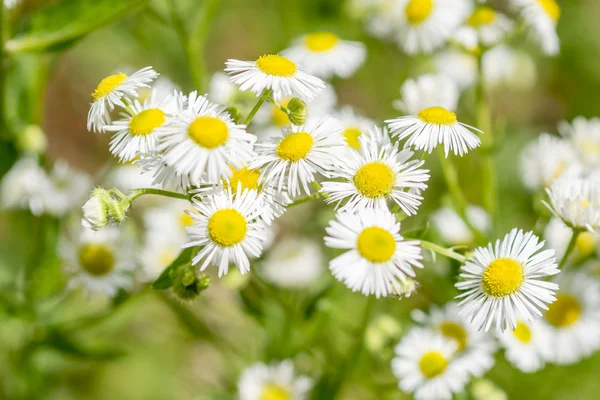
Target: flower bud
407, 288
117, 210
95, 210
33, 140
297, 111
187, 284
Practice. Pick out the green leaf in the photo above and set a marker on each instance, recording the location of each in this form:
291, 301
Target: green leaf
62, 22
165, 280
68, 345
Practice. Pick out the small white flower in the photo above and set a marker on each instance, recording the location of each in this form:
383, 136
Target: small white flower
228, 228
507, 66
24, 185
324, 54
584, 135
454, 230
377, 257
541, 16
434, 126
427, 91
527, 347
458, 65
425, 366
291, 160
355, 125
502, 280
294, 263
95, 211
374, 175
203, 141
576, 200
67, 188
110, 92
221, 89
558, 235
274, 382
274, 72
485, 26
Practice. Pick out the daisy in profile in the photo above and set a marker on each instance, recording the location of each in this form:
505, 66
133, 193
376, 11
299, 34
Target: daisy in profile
425, 25
433, 126
424, 365
138, 130
546, 159
453, 230
574, 318
377, 256
576, 200
229, 229
374, 175
558, 235
276, 381
427, 91
485, 26
275, 72
541, 16
355, 125
584, 136
203, 141
293, 158
474, 349
325, 55
527, 347
499, 281
97, 260
111, 90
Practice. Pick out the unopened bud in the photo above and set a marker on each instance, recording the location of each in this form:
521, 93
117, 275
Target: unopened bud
33, 140
187, 284
407, 288
103, 208
297, 111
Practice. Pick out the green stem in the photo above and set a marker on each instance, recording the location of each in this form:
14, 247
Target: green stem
443, 251
570, 247
304, 199
451, 176
3, 62
263, 97
159, 192
197, 42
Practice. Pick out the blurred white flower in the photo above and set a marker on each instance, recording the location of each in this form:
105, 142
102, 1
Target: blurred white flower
454, 230
24, 186
275, 381
294, 263
427, 91
528, 346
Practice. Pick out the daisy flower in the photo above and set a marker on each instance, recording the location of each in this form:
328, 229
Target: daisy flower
574, 318
425, 367
274, 72
433, 126
138, 131
506, 66
584, 135
203, 141
67, 189
546, 159
576, 200
474, 349
355, 125
427, 91
24, 186
130, 176
499, 281
558, 235
485, 26
375, 174
97, 260
527, 347
458, 65
111, 90
228, 227
275, 381
294, 263
454, 230
325, 55
541, 16
377, 256
292, 159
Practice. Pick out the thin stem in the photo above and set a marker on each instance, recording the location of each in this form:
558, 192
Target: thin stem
197, 42
451, 176
443, 251
263, 97
570, 247
140, 192
304, 199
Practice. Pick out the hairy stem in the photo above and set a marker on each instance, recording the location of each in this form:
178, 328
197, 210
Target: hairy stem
159, 192
263, 97
570, 248
443, 251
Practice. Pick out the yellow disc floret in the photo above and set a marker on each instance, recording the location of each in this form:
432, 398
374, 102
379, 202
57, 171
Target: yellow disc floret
185, 220
146, 121
565, 311
96, 259
108, 84
437, 115
275, 392
227, 227
417, 11
376, 244
432, 364
551, 8
502, 277
321, 41
208, 132
483, 15
522, 332
455, 331
375, 179
276, 65
248, 178
352, 134
295, 146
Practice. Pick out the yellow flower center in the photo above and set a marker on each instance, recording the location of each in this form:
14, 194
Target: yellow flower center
227, 227
295, 146
208, 132
279, 117
247, 177
321, 41
146, 121
185, 220
437, 115
586, 243
352, 135
275, 392
455, 331
432, 364
96, 259
276, 65
483, 15
565, 311
375, 179
376, 244
108, 84
502, 277
417, 11
551, 8
522, 332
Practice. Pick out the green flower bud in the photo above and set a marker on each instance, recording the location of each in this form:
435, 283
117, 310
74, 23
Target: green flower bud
297, 111
33, 140
95, 210
187, 284
117, 210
